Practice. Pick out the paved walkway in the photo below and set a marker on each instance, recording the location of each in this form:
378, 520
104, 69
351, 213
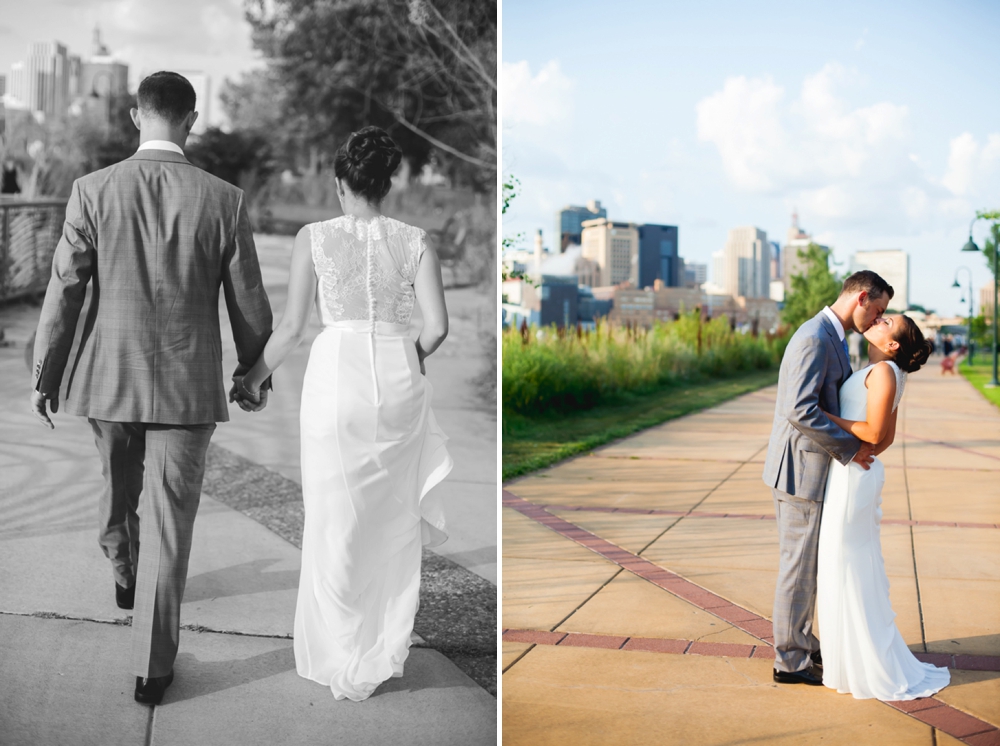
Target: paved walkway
638, 583
64, 677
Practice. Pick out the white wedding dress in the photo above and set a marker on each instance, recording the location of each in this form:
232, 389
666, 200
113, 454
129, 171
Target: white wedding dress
371, 451
863, 652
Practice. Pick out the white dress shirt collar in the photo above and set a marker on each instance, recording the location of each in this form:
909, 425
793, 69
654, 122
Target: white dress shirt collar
161, 145
836, 322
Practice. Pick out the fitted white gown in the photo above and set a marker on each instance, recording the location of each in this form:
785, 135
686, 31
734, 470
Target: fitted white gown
371, 451
863, 652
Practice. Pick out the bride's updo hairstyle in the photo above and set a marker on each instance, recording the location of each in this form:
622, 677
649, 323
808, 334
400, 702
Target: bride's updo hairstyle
366, 163
913, 348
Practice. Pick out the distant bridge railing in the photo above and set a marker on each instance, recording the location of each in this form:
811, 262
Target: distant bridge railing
29, 232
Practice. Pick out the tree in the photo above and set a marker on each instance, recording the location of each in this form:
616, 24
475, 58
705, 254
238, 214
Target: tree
810, 291
242, 158
423, 70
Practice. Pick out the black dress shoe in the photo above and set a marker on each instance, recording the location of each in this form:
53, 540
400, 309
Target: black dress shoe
810, 676
150, 691
817, 658
125, 596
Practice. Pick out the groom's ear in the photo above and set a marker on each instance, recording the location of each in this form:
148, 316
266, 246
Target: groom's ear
134, 113
191, 119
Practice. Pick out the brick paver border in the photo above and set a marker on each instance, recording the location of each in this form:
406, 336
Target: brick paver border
930, 711
720, 649
746, 516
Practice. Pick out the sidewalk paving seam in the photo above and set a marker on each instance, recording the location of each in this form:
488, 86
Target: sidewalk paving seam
913, 543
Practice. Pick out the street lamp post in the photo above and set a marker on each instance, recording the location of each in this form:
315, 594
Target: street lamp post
968, 334
971, 246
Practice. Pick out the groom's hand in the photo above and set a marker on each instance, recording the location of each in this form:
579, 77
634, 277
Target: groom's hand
865, 456
38, 408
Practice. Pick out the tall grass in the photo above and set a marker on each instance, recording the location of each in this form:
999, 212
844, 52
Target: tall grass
553, 370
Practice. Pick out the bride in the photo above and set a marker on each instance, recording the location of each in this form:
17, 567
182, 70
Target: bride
371, 448
863, 652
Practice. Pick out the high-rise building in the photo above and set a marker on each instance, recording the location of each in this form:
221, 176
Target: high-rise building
775, 260
893, 265
3, 85
102, 77
41, 82
658, 259
614, 248
746, 269
695, 275
569, 223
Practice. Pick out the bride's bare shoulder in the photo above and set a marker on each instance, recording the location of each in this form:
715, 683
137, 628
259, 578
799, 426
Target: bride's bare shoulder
881, 377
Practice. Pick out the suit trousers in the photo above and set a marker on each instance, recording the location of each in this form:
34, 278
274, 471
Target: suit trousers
170, 459
795, 594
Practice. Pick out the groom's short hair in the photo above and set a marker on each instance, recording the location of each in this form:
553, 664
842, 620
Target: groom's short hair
868, 281
167, 95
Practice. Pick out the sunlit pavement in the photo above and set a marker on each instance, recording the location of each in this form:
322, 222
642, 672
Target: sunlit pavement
64, 644
638, 583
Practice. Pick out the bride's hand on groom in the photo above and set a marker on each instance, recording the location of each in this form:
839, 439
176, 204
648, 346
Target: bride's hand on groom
865, 456
245, 398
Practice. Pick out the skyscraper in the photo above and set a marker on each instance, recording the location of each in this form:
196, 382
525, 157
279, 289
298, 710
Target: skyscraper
746, 269
893, 265
569, 223
614, 248
658, 259
41, 82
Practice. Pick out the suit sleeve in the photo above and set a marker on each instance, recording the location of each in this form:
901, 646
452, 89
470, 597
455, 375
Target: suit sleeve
805, 414
246, 301
72, 266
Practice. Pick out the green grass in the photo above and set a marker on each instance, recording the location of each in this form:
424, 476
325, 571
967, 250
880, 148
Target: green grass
531, 443
980, 373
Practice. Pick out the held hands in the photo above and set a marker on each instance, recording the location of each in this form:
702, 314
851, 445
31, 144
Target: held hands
248, 401
38, 408
865, 456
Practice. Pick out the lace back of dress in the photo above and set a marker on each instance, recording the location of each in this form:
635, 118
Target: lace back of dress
366, 268
900, 384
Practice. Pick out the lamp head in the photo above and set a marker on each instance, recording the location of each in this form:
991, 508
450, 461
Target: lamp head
970, 246
955, 283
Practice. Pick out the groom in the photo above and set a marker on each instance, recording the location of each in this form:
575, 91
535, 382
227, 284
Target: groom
158, 237
803, 440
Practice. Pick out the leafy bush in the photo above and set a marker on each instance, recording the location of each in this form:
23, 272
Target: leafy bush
551, 370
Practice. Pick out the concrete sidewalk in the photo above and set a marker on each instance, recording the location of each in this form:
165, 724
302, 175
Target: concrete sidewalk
638, 583
64, 675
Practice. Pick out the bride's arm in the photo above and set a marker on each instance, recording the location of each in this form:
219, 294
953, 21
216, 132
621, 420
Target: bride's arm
889, 436
298, 306
429, 289
881, 383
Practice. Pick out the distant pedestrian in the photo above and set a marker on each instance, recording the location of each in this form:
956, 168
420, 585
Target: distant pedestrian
948, 345
8, 178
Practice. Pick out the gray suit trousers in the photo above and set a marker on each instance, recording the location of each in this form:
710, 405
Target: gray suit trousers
171, 459
795, 595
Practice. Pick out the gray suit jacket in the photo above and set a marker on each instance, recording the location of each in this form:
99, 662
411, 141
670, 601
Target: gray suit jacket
803, 438
158, 237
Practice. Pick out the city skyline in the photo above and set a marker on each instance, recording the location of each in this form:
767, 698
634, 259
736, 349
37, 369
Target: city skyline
212, 37
873, 124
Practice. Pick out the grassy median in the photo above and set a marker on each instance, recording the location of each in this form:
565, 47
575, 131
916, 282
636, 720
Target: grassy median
980, 374
531, 443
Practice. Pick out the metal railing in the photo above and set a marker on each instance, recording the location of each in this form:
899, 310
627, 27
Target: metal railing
29, 232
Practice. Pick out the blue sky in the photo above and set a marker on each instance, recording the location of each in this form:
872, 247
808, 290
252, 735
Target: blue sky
874, 120
204, 35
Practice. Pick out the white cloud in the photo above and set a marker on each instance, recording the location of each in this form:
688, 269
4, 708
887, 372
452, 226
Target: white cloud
972, 169
536, 99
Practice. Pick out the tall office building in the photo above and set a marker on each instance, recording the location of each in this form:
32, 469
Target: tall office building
695, 275
658, 259
3, 85
746, 269
102, 77
775, 260
569, 223
614, 248
893, 265
41, 82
